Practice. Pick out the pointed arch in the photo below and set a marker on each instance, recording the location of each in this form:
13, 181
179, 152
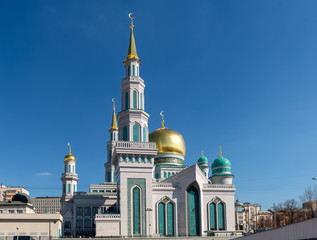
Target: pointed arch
193, 209
216, 214
165, 208
136, 209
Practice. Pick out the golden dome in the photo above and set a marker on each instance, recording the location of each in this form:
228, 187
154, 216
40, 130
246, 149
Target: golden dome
168, 141
70, 157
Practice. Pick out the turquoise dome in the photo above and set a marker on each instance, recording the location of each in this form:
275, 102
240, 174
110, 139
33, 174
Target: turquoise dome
221, 166
221, 162
202, 160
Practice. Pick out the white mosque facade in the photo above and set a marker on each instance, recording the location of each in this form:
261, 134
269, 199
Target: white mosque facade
148, 191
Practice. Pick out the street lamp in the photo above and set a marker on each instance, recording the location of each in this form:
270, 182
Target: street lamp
17, 233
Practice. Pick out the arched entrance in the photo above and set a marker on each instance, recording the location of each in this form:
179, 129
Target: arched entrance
193, 211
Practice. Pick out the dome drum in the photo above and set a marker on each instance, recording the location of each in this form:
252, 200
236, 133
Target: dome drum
169, 158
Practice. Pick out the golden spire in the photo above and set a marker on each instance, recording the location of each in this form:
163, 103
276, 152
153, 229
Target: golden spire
202, 153
21, 188
70, 148
132, 47
114, 125
161, 113
220, 153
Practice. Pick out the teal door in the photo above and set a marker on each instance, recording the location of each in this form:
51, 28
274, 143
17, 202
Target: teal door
193, 212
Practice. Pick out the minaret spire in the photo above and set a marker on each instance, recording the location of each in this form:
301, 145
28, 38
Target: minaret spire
114, 125
161, 113
132, 54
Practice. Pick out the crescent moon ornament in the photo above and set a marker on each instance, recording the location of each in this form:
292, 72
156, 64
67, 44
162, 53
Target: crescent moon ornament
161, 113
113, 100
114, 103
70, 147
130, 14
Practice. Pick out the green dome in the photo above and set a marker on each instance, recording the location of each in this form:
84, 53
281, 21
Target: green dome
221, 166
221, 162
202, 160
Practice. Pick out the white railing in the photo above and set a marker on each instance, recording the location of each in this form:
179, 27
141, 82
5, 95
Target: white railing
133, 79
95, 193
136, 145
116, 215
165, 185
218, 186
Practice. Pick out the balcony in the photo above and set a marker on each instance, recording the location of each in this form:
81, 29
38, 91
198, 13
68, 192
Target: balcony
135, 145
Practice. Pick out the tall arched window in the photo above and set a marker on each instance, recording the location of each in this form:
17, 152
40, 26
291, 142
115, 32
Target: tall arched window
64, 188
73, 169
134, 99
74, 187
169, 174
165, 175
166, 214
141, 101
69, 168
221, 216
135, 133
170, 218
217, 215
136, 211
137, 68
129, 71
125, 133
213, 216
133, 70
161, 218
126, 101
68, 188
144, 134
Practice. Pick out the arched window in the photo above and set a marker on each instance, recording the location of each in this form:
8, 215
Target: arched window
108, 176
74, 187
136, 210
221, 219
144, 134
126, 101
213, 216
166, 213
217, 215
73, 169
134, 100
137, 68
68, 188
133, 70
129, 72
135, 133
69, 168
64, 188
141, 101
165, 175
114, 176
169, 174
170, 218
161, 218
125, 133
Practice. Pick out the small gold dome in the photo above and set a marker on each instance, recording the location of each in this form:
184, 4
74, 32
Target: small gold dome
168, 141
70, 157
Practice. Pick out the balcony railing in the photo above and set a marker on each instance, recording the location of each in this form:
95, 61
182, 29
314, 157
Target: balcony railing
116, 215
136, 145
218, 186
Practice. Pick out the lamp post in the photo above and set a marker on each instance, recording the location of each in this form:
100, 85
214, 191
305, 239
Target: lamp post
17, 233
149, 210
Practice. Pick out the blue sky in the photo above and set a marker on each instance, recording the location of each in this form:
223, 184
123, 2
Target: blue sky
240, 74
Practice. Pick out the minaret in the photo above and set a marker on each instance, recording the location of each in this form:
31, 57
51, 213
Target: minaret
221, 170
203, 164
133, 120
114, 134
69, 177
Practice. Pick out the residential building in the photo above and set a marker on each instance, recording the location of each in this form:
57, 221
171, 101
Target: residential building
47, 204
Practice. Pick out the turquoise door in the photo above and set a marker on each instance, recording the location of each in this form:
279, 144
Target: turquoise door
193, 212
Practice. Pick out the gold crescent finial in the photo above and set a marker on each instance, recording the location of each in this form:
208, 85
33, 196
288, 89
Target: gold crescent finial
114, 103
202, 153
130, 14
70, 148
161, 113
220, 153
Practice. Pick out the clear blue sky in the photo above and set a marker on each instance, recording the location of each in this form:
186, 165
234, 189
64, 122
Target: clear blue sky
240, 74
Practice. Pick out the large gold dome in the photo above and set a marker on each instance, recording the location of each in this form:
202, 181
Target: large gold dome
168, 141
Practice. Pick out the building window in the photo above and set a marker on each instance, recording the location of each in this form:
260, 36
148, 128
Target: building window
114, 176
165, 175
73, 168
129, 71
69, 168
79, 224
74, 187
125, 133
137, 68
166, 217
133, 70
11, 211
87, 212
162, 218
64, 188
141, 101
169, 174
136, 211
135, 133
19, 211
79, 211
68, 188
144, 134
217, 215
1, 211
109, 156
134, 99
109, 176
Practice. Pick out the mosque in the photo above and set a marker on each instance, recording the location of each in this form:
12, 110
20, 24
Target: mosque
148, 191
